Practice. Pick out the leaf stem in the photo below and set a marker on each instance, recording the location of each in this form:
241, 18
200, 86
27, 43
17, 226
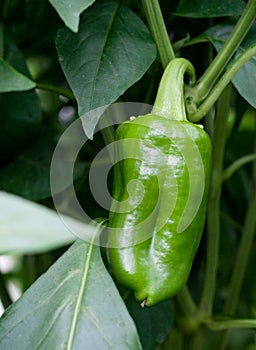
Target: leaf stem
236, 165
232, 222
219, 63
158, 29
216, 92
60, 91
213, 207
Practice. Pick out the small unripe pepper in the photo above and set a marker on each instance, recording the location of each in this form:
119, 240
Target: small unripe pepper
161, 180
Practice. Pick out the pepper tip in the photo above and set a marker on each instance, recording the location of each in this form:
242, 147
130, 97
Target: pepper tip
143, 303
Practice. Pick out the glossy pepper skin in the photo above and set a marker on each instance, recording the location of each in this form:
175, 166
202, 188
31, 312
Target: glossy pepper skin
161, 181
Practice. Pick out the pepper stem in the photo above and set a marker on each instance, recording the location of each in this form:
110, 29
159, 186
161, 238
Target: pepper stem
169, 101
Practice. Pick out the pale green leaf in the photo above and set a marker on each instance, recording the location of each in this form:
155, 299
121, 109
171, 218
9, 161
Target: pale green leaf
69, 11
12, 80
74, 305
27, 227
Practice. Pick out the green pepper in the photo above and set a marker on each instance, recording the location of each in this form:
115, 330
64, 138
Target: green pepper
161, 180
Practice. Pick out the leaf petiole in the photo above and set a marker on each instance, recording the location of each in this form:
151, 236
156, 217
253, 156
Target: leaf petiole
217, 91
215, 69
236, 165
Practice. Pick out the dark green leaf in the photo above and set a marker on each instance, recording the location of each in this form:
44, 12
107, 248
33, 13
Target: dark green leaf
153, 323
218, 34
13, 71
21, 114
12, 80
28, 228
109, 54
74, 305
20, 121
32, 169
209, 8
13, 56
244, 81
70, 11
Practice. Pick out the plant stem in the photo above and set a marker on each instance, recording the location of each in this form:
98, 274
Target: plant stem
60, 91
175, 340
229, 324
216, 92
243, 254
158, 29
213, 209
190, 318
219, 63
186, 302
108, 134
242, 258
197, 339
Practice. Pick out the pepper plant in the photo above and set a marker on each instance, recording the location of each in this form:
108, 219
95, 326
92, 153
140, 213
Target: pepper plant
169, 261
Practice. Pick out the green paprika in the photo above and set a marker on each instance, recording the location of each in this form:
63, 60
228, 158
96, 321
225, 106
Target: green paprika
161, 180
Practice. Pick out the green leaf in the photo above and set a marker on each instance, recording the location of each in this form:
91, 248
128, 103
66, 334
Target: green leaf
13, 69
69, 11
218, 34
21, 114
12, 80
32, 169
20, 119
74, 305
153, 323
209, 8
108, 55
27, 227
14, 57
244, 80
